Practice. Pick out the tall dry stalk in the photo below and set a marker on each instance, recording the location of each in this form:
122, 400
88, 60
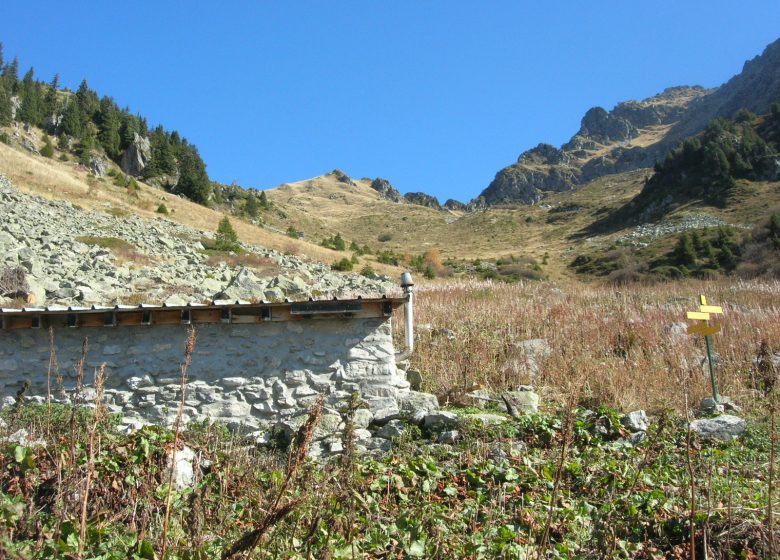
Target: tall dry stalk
689, 464
100, 383
567, 440
188, 350
282, 506
771, 477
76, 401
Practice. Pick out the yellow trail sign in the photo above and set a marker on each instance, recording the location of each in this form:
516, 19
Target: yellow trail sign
716, 309
703, 329
698, 316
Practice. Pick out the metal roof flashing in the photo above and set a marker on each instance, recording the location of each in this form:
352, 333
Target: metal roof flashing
218, 311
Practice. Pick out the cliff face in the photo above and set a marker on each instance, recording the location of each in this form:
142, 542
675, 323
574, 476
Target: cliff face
635, 134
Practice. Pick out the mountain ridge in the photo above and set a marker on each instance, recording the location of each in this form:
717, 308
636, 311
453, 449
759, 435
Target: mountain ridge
634, 134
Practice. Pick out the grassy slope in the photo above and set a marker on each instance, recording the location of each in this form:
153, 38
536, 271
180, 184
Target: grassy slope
58, 180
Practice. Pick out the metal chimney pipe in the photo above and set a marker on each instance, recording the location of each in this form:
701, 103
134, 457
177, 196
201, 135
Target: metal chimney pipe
407, 284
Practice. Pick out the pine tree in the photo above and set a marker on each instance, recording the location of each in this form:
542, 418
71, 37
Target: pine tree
129, 128
88, 101
252, 206
87, 143
5, 105
109, 128
774, 230
263, 200
193, 179
227, 238
30, 110
11, 74
50, 105
684, 252
72, 119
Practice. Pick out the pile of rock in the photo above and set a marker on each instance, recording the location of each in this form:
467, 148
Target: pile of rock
74, 257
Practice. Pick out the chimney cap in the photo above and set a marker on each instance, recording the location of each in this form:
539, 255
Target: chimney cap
406, 280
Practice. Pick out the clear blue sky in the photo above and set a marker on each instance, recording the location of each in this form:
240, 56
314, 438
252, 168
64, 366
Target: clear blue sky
434, 96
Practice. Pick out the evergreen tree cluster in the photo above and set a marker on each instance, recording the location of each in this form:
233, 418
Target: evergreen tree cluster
708, 166
702, 254
98, 123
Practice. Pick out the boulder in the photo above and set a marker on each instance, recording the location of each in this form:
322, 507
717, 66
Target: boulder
636, 421
98, 166
183, 472
416, 404
440, 421
136, 156
721, 428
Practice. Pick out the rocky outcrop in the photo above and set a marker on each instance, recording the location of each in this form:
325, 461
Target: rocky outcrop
136, 156
342, 177
519, 183
422, 199
386, 190
454, 205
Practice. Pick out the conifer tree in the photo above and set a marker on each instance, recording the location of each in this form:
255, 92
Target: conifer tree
263, 199
109, 128
30, 110
685, 254
72, 119
252, 206
193, 180
227, 238
50, 101
5, 105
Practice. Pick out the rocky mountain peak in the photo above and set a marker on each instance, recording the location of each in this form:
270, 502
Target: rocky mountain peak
635, 134
386, 190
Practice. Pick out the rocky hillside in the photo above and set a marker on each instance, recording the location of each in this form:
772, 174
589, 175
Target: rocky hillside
69, 256
634, 135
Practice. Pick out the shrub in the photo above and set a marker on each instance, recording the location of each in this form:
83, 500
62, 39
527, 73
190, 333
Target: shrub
294, 233
385, 237
64, 157
48, 149
344, 265
368, 271
13, 280
162, 208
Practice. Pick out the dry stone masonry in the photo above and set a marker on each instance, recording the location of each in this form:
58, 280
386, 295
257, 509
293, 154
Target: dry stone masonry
260, 377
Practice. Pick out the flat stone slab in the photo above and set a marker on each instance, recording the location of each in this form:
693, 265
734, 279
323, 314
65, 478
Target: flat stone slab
725, 427
486, 419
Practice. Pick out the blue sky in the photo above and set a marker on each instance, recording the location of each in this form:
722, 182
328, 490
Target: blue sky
434, 96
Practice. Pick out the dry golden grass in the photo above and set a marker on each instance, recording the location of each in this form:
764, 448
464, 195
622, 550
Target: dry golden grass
58, 180
620, 340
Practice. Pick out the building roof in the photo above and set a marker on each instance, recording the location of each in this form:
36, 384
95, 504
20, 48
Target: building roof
219, 311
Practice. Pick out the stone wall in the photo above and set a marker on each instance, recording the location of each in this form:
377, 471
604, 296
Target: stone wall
253, 375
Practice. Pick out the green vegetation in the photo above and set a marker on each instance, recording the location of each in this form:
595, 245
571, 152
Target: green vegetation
162, 208
294, 233
335, 242
113, 243
227, 238
554, 485
48, 149
344, 265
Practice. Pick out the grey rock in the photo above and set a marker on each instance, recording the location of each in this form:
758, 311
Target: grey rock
709, 406
722, 428
183, 472
636, 421
393, 429
441, 420
98, 166
486, 419
414, 403
136, 156
526, 402
448, 437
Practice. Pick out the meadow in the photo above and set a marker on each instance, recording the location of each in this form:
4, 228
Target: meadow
563, 483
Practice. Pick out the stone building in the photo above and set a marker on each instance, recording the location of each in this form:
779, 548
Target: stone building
253, 365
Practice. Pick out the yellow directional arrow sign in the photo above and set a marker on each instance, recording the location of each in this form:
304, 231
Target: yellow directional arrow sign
698, 316
714, 309
704, 329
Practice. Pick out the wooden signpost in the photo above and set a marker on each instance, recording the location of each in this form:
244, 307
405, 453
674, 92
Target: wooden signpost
706, 330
